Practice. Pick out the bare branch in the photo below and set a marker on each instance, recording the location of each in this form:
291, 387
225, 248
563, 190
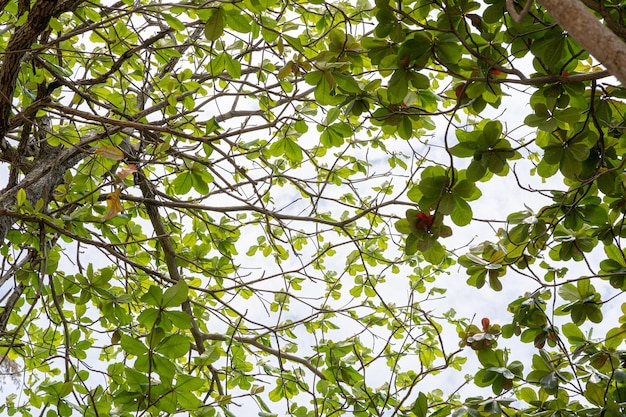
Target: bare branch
518, 17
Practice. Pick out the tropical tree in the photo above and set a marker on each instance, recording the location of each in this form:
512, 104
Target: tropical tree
257, 207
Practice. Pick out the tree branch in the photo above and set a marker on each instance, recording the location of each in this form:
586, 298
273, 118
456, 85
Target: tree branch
280, 355
518, 17
47, 174
17, 47
609, 20
590, 33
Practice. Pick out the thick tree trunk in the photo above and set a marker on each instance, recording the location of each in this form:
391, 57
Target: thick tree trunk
39, 183
590, 33
50, 166
18, 45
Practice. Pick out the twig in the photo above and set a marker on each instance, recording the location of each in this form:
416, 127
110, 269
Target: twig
518, 17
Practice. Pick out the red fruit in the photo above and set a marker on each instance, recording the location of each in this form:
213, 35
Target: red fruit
458, 90
565, 73
495, 72
485, 322
424, 221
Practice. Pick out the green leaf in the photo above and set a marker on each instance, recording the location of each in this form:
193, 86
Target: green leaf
149, 317
420, 81
573, 333
595, 393
567, 118
433, 186
465, 189
132, 346
614, 338
569, 292
214, 26
415, 194
154, 296
416, 51
199, 182
578, 151
293, 152
435, 254
398, 86
180, 319
175, 295
233, 67
549, 382
420, 406
174, 22
163, 367
465, 149
494, 282
461, 214
238, 21
174, 346
21, 197
189, 383
295, 43
346, 82
334, 135
492, 132
183, 182
410, 246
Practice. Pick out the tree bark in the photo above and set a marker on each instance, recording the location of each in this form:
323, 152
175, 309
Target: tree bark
590, 33
39, 183
18, 45
50, 166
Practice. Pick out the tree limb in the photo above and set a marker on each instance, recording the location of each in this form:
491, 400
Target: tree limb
609, 20
590, 33
17, 47
47, 174
267, 349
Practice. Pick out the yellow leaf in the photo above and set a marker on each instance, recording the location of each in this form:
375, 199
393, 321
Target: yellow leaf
113, 204
285, 71
110, 152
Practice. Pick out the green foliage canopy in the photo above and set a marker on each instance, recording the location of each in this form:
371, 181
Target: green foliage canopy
242, 207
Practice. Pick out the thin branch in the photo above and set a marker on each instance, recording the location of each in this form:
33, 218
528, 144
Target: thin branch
267, 349
518, 17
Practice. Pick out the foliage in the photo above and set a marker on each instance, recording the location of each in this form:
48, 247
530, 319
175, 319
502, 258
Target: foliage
254, 207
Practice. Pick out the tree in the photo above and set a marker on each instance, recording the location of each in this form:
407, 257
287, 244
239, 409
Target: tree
236, 208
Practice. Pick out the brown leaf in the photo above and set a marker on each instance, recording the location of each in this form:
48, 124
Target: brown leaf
114, 204
125, 172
